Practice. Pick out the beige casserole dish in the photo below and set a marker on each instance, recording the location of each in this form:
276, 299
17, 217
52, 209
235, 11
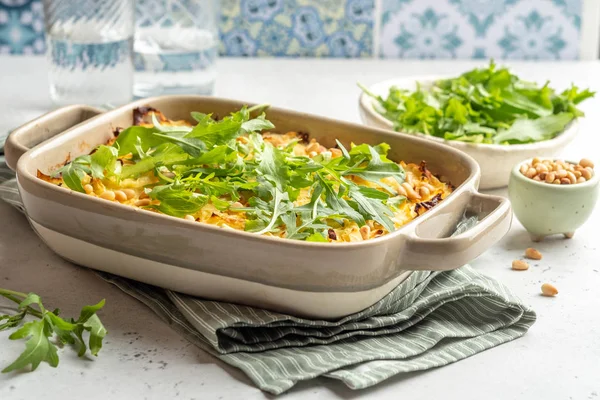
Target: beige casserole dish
319, 280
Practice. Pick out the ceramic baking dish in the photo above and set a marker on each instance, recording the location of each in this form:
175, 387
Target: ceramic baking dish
319, 280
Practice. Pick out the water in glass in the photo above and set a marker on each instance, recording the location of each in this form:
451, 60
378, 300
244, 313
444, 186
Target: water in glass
176, 44
90, 50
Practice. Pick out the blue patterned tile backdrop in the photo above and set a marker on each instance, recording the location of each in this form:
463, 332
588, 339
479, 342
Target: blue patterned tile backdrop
21, 27
328, 28
506, 29
503, 29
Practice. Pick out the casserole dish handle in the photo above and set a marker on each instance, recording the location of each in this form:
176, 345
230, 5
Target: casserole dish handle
48, 125
494, 214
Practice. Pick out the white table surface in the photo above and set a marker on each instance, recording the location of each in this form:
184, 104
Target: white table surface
559, 358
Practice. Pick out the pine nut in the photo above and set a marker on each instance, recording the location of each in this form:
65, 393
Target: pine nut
430, 187
585, 163
581, 179
365, 231
130, 193
143, 195
335, 153
120, 195
520, 265
541, 168
537, 178
313, 146
543, 175
561, 173
312, 154
108, 195
142, 202
401, 191
531, 173
89, 189
190, 218
237, 204
556, 182
586, 173
549, 290
533, 254
410, 192
565, 181
535, 161
524, 169
550, 177
577, 174
424, 192
571, 177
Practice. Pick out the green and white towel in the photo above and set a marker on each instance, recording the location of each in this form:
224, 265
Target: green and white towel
430, 320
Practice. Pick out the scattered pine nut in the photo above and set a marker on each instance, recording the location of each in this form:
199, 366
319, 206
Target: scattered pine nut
520, 265
533, 254
549, 290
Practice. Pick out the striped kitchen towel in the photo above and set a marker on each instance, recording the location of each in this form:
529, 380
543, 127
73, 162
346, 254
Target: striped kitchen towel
430, 320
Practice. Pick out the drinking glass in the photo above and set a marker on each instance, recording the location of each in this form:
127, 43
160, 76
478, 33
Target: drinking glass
176, 45
90, 50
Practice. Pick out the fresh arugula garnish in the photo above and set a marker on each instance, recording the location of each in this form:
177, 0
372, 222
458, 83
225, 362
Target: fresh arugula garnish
39, 347
484, 105
207, 164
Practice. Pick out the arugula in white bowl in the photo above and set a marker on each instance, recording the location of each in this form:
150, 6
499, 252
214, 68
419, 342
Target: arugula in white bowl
485, 105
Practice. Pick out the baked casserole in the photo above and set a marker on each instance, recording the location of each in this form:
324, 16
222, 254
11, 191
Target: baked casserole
237, 173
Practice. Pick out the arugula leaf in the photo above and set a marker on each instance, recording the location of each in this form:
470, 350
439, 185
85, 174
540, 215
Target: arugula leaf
192, 146
177, 201
164, 154
280, 205
316, 237
135, 136
272, 165
257, 124
378, 167
373, 208
72, 175
38, 346
534, 130
337, 203
104, 159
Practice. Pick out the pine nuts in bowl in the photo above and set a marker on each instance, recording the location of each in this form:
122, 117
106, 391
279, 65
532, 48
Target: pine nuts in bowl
558, 172
552, 196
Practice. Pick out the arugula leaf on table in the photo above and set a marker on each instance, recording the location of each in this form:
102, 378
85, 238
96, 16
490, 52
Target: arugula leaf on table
38, 333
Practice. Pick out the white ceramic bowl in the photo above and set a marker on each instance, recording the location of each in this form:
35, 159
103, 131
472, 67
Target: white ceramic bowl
496, 161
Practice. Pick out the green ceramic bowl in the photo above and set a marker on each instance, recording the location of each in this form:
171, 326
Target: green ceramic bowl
545, 209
